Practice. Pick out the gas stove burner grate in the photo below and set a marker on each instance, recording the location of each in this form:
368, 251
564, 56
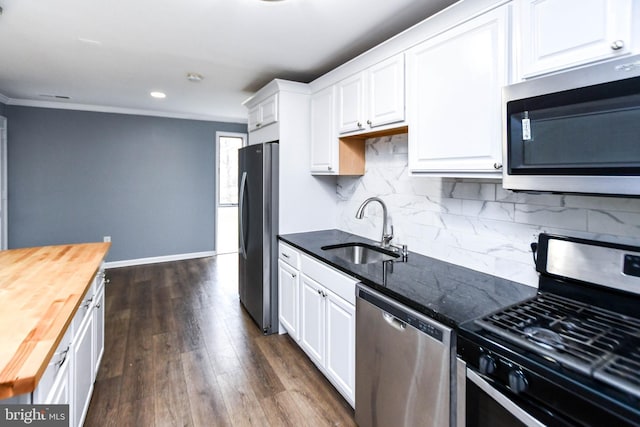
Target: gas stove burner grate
624, 370
544, 337
596, 342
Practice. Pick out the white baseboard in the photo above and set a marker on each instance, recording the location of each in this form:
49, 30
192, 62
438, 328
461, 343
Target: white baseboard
154, 260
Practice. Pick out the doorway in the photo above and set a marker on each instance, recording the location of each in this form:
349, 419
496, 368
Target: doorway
227, 146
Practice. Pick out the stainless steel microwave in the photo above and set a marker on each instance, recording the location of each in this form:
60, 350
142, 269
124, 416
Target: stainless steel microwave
575, 132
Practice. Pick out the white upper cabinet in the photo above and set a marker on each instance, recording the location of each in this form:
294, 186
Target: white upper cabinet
351, 103
454, 99
330, 154
373, 97
385, 87
264, 113
324, 138
557, 34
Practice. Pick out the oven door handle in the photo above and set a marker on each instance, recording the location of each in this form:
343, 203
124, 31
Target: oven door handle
504, 401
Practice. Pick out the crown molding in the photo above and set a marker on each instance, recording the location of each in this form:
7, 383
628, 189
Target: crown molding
119, 110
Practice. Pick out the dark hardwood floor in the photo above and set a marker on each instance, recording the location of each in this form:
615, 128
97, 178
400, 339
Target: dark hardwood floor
180, 351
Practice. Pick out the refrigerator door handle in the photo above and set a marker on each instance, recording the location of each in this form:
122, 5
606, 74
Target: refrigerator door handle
243, 188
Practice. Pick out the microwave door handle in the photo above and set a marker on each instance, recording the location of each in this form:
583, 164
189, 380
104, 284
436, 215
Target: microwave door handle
243, 189
501, 399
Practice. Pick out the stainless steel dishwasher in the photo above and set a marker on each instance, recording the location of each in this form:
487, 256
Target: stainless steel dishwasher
403, 364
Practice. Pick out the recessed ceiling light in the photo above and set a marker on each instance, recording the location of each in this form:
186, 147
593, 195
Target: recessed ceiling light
194, 77
158, 95
89, 41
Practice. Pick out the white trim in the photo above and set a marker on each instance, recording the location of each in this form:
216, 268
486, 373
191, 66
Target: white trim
119, 110
157, 259
453, 15
276, 85
4, 99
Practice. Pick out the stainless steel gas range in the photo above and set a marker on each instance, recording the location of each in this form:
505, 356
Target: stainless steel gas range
570, 356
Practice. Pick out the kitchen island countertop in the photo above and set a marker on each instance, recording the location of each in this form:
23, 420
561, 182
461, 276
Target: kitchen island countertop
443, 291
41, 289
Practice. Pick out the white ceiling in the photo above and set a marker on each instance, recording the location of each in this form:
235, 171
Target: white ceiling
111, 53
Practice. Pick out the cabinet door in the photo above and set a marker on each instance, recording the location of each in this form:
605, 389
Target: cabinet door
312, 319
341, 345
254, 118
52, 374
82, 370
454, 98
98, 333
351, 103
558, 34
324, 138
61, 390
288, 300
269, 110
385, 83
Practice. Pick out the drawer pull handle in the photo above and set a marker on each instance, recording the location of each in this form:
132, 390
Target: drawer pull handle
617, 45
60, 362
285, 255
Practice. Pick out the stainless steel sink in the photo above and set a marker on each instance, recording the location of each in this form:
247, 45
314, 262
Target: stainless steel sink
360, 253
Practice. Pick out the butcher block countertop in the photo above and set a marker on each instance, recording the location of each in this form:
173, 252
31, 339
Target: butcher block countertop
41, 289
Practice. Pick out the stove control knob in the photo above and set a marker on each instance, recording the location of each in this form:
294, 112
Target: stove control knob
517, 381
487, 364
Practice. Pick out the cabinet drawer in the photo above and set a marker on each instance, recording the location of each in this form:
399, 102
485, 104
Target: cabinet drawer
335, 281
289, 255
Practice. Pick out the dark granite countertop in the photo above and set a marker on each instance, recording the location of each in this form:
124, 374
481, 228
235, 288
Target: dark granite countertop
446, 292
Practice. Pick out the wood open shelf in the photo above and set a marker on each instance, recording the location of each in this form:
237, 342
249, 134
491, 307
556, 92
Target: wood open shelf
351, 149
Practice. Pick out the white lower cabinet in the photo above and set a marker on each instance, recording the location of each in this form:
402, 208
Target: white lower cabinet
83, 370
322, 318
312, 320
61, 391
288, 286
72, 370
327, 334
340, 351
98, 331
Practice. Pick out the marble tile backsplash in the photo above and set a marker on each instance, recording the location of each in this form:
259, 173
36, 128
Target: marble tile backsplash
474, 223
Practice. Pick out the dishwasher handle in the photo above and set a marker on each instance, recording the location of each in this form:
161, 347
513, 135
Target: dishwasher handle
395, 323
401, 316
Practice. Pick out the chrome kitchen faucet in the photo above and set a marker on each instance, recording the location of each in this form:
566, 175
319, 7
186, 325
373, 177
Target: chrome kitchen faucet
386, 238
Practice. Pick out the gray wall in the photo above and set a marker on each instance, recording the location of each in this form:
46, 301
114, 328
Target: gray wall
76, 176
2, 109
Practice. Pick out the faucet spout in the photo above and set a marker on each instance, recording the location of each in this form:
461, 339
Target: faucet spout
386, 238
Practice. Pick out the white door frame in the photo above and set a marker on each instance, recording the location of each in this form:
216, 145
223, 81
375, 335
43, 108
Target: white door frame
219, 135
4, 237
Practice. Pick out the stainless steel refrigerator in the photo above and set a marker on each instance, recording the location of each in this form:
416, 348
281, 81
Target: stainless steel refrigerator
258, 230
